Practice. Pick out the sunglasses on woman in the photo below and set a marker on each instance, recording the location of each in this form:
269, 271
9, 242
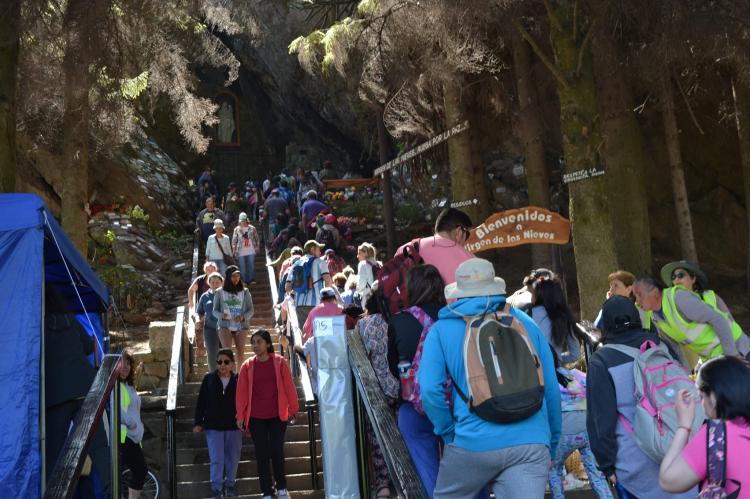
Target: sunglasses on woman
226, 362
679, 275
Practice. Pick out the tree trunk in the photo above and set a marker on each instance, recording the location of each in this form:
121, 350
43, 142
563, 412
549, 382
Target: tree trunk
531, 132
463, 180
741, 95
10, 19
624, 158
677, 172
384, 149
75, 160
593, 239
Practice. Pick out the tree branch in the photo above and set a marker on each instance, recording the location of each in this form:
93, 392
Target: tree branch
540, 53
690, 108
553, 19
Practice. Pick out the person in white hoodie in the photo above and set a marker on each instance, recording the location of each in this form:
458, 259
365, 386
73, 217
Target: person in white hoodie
131, 428
367, 268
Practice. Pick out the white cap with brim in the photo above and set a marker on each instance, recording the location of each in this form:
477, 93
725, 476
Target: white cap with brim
475, 277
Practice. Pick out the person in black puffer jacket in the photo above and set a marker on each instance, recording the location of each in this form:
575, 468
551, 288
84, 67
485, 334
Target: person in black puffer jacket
215, 416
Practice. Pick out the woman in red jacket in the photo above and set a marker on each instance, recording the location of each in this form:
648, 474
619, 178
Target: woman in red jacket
266, 402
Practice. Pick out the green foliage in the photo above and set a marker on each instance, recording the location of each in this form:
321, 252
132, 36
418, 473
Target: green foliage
304, 44
110, 236
128, 289
367, 7
362, 208
133, 87
137, 213
408, 214
324, 42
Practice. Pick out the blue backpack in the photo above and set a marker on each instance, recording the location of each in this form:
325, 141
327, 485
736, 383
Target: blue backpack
302, 275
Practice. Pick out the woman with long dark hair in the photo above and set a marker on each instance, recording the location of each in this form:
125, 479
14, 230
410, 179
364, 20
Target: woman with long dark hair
233, 307
724, 386
131, 427
266, 403
553, 316
425, 290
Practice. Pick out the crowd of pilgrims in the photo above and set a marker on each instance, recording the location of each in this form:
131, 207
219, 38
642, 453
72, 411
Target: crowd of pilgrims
685, 435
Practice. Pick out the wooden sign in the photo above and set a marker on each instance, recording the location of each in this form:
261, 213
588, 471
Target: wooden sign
531, 225
412, 153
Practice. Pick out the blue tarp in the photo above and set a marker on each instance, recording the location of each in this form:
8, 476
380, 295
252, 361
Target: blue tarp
29, 259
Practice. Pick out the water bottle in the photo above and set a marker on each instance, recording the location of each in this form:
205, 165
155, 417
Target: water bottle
406, 376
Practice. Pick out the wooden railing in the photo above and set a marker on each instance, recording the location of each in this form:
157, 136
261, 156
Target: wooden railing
67, 471
370, 399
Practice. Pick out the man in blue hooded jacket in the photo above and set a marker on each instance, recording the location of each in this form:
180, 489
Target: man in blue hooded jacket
513, 458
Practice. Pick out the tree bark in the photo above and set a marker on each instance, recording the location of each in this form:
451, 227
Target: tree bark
77, 84
384, 149
464, 182
593, 239
624, 158
741, 95
677, 172
10, 19
531, 132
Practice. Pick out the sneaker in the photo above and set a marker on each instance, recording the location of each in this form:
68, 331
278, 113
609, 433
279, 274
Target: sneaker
217, 494
267, 497
282, 493
229, 491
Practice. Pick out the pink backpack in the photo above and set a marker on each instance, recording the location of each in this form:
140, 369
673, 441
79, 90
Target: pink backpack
414, 394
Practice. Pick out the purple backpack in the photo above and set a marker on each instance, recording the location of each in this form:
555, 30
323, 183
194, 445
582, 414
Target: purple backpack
716, 463
414, 395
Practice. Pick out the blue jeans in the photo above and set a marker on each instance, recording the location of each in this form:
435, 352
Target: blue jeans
247, 268
224, 449
422, 443
221, 266
211, 341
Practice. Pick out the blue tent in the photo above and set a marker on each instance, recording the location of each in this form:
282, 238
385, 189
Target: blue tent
34, 252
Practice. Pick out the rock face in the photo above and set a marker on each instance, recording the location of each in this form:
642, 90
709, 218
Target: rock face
287, 118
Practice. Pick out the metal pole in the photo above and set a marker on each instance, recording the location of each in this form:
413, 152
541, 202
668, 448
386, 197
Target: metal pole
313, 446
42, 397
114, 438
362, 454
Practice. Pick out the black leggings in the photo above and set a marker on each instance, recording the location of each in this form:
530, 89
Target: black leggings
268, 438
132, 459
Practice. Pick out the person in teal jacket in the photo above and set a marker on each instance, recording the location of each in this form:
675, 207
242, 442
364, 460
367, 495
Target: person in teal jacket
514, 459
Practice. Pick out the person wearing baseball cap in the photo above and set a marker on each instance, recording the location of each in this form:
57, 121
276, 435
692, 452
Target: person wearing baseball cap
513, 458
313, 275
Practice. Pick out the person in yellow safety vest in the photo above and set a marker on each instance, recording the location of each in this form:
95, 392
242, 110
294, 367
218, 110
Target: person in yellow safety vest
688, 275
681, 316
131, 428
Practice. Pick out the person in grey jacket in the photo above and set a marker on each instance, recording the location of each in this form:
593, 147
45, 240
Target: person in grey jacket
553, 316
233, 308
207, 320
611, 404
131, 428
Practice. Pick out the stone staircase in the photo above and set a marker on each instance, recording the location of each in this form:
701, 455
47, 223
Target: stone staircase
192, 452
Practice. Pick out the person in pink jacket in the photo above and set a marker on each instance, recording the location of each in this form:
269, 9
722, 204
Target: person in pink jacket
266, 403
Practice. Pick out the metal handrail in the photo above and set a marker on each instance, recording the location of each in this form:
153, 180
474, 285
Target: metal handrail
67, 471
369, 395
176, 378
299, 368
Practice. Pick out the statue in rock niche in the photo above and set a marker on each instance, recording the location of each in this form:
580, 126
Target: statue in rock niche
226, 123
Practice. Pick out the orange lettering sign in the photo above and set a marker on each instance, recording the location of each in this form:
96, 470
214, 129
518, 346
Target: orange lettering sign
530, 225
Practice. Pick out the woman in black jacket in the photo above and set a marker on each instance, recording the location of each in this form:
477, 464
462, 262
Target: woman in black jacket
215, 416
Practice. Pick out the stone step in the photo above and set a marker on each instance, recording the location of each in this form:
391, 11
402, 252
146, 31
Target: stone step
187, 412
247, 467
245, 485
198, 453
297, 494
294, 433
186, 438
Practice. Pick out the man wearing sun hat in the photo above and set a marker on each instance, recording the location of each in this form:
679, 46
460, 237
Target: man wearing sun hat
513, 458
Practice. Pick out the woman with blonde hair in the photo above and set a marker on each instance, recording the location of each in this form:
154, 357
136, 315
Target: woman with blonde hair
367, 269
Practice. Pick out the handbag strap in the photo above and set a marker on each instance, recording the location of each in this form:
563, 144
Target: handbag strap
218, 243
716, 449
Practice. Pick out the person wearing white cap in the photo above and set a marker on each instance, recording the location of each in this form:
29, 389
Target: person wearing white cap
245, 244
513, 458
218, 246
